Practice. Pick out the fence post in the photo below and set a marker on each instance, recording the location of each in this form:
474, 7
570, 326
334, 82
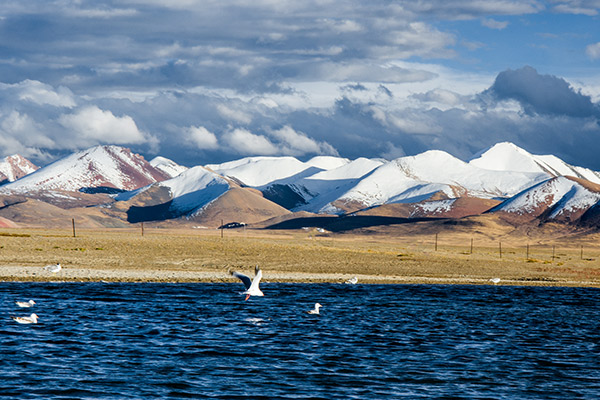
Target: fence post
73, 223
436, 237
471, 246
527, 251
142, 229
500, 248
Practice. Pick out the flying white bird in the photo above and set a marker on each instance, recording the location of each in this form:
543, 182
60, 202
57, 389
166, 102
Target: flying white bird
251, 285
315, 310
32, 319
54, 268
25, 304
352, 281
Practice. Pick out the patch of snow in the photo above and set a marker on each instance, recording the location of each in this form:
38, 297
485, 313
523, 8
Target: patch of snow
435, 207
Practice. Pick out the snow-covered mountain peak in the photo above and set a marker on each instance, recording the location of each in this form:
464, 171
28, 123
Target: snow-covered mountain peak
15, 167
431, 160
506, 156
168, 166
327, 162
110, 166
191, 180
351, 170
558, 197
509, 157
262, 171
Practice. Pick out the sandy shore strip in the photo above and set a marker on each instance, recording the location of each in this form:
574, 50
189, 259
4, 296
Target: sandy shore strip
75, 274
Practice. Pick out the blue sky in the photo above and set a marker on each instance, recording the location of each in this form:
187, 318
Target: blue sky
209, 81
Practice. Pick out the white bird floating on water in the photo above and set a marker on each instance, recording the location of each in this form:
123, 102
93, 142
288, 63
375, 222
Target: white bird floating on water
495, 280
315, 310
32, 319
251, 285
352, 281
54, 268
25, 304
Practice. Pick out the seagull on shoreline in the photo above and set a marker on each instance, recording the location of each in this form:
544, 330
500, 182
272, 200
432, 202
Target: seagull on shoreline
352, 281
315, 310
251, 285
54, 268
25, 304
32, 319
495, 280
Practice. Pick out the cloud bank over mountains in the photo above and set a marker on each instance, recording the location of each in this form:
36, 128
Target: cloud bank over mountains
208, 81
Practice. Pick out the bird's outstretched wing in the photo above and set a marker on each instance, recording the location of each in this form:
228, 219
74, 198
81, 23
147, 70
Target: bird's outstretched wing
257, 277
246, 280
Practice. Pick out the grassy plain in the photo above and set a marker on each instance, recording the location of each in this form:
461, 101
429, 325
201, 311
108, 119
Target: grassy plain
193, 255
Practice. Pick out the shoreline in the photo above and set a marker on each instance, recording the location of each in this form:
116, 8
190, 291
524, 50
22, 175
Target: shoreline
76, 274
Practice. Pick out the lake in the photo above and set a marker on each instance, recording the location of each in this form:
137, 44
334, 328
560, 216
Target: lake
200, 340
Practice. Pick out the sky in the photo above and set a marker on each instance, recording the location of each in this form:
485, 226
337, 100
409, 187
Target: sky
203, 81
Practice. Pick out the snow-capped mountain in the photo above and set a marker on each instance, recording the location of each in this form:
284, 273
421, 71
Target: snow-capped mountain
262, 171
417, 178
319, 190
252, 189
202, 195
194, 188
169, 167
15, 167
561, 198
509, 157
106, 166
501, 172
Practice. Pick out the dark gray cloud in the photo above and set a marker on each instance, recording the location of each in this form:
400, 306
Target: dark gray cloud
542, 94
246, 46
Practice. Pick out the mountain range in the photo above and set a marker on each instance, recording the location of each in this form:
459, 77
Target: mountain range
110, 186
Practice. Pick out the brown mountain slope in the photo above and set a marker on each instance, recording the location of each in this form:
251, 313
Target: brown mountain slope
238, 205
452, 208
36, 213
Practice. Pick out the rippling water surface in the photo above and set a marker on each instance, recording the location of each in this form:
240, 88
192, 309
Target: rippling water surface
134, 341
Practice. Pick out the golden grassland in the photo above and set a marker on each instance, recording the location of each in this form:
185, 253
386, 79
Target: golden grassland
200, 255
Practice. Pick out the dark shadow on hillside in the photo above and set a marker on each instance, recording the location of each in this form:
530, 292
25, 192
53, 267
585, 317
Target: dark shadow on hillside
159, 212
101, 189
283, 195
345, 222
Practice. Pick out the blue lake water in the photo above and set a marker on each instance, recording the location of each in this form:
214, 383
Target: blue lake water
155, 341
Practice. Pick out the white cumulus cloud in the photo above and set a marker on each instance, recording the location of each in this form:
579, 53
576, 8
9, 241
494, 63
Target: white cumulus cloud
202, 138
43, 94
91, 124
234, 115
243, 141
297, 143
